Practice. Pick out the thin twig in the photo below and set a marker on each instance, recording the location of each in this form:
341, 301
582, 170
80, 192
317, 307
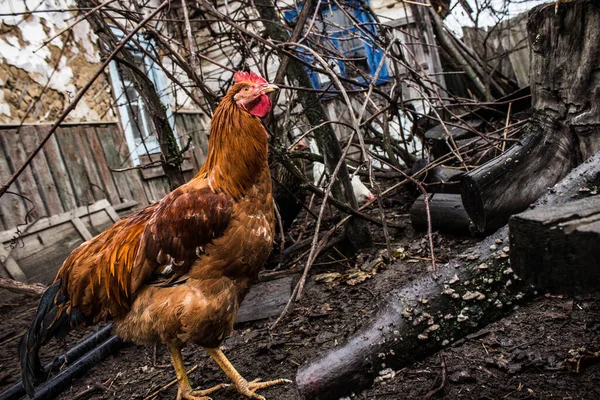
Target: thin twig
444, 374
506, 126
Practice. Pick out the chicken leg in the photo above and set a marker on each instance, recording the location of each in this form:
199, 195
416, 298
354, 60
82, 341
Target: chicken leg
185, 391
243, 386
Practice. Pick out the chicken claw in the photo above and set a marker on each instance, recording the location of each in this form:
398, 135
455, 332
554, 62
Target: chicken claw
242, 385
185, 391
189, 394
249, 388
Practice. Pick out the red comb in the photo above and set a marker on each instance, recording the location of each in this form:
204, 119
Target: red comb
242, 76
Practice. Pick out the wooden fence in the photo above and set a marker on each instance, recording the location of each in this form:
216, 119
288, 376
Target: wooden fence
505, 46
81, 164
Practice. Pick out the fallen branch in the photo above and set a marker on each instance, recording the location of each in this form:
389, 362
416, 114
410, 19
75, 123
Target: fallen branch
30, 289
435, 310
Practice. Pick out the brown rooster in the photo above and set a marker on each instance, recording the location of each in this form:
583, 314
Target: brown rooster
177, 270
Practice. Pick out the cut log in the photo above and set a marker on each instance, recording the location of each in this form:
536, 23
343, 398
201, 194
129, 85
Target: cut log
419, 320
446, 211
556, 247
435, 310
509, 183
564, 130
443, 180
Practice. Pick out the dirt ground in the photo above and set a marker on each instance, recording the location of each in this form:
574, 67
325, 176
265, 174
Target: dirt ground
548, 348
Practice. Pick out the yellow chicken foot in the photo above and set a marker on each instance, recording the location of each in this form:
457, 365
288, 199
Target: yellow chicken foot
185, 391
243, 386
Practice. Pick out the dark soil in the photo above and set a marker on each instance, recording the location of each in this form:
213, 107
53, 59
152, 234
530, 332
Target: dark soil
548, 348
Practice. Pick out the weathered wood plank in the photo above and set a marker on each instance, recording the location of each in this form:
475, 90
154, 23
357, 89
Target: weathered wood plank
112, 213
157, 171
80, 134
265, 300
132, 177
54, 220
101, 165
192, 126
556, 247
26, 182
46, 244
113, 161
41, 171
73, 165
198, 153
43, 253
83, 231
12, 209
58, 169
157, 188
11, 266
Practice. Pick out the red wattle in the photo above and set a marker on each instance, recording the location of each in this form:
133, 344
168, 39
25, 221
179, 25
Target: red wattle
262, 107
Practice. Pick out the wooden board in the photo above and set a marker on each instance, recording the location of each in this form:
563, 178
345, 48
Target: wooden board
59, 174
43, 246
26, 183
73, 162
108, 183
265, 300
87, 161
132, 177
191, 125
113, 161
41, 171
12, 209
157, 171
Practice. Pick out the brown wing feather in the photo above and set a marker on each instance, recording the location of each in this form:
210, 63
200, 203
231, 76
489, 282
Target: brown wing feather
102, 276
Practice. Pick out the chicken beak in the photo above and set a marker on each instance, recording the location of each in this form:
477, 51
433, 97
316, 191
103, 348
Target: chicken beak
268, 88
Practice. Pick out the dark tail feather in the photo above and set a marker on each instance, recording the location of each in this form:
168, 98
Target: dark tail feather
47, 324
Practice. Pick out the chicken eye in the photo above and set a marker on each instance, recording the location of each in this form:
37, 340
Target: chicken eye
246, 89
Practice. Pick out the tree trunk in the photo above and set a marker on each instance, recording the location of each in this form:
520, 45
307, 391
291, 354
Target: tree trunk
565, 130
433, 311
356, 231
